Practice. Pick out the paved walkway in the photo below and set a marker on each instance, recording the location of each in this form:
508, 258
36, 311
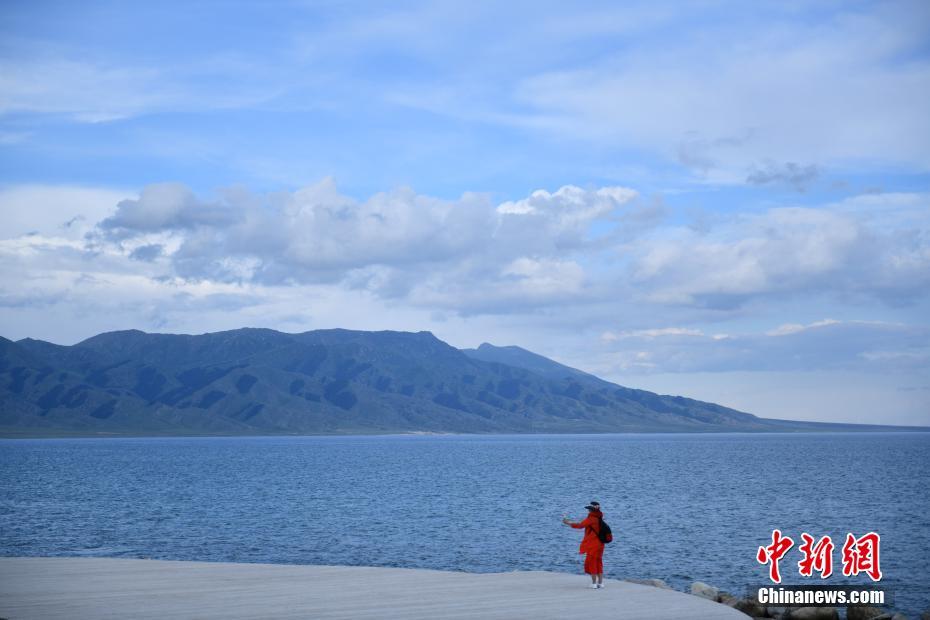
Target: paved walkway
104, 588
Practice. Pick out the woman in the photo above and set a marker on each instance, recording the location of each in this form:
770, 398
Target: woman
591, 544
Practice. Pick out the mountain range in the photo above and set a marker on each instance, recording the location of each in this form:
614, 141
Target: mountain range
334, 381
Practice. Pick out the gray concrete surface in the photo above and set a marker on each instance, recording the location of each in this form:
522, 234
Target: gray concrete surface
104, 588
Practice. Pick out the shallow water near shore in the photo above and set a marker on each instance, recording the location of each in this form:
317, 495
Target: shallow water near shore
682, 507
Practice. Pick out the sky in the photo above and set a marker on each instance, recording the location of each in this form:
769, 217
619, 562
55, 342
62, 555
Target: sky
724, 200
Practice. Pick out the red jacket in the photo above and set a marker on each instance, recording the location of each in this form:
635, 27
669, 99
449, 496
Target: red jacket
591, 525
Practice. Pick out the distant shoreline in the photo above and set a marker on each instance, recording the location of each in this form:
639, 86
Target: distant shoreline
884, 430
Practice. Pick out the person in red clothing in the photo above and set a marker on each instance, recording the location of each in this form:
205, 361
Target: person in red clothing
591, 545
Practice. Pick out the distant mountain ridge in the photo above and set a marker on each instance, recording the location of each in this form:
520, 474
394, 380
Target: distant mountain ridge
260, 381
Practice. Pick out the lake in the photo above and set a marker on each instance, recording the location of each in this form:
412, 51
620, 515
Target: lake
683, 507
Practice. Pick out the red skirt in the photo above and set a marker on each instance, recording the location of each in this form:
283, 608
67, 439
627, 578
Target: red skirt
594, 561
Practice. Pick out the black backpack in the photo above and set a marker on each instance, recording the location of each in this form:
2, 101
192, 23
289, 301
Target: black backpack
604, 534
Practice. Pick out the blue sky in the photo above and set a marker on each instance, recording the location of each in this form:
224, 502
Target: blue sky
726, 200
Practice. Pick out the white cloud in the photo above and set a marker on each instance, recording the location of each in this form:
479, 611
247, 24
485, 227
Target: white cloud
87, 92
733, 96
165, 207
46, 78
567, 247
794, 328
787, 251
610, 336
572, 205
162, 255
545, 276
862, 346
391, 243
55, 210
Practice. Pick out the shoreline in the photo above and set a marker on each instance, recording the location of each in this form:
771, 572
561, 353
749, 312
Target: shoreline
105, 588
900, 430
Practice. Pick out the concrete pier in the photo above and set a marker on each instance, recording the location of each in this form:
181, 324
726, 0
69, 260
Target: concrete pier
105, 588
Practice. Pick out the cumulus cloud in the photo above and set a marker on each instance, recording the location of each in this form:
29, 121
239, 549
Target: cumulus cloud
569, 208
395, 243
570, 246
476, 286
165, 207
787, 251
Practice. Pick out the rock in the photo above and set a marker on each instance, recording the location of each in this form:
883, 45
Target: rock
925, 615
699, 588
899, 616
864, 613
776, 611
656, 583
814, 613
750, 607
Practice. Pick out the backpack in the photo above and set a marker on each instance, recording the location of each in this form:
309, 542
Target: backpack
604, 534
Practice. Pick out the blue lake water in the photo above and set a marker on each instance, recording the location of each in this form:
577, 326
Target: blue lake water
682, 507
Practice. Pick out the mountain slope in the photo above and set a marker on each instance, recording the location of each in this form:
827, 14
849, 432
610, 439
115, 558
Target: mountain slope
521, 358
254, 381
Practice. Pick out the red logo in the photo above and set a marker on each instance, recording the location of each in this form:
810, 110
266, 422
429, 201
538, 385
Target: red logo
817, 557
773, 553
860, 555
